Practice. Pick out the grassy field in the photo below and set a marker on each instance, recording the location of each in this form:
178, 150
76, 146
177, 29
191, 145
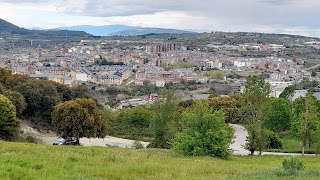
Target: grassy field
31, 161
292, 145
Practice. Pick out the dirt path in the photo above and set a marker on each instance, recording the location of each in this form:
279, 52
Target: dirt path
107, 141
237, 146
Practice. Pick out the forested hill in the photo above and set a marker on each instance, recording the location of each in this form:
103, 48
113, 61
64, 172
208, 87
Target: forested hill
11, 29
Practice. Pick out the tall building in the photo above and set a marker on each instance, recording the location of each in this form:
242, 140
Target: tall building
164, 47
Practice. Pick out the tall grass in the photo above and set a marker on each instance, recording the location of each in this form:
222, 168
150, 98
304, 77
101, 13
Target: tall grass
32, 161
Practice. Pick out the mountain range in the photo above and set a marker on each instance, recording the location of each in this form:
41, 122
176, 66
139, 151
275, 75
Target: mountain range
86, 30
9, 28
122, 30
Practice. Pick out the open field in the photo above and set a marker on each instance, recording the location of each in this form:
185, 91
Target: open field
292, 145
31, 161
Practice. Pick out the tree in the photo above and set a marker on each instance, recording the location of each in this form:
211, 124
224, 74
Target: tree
288, 92
4, 74
2, 89
9, 123
204, 133
277, 114
41, 96
255, 95
228, 104
14, 80
257, 86
17, 100
133, 123
78, 118
307, 118
81, 91
65, 92
163, 123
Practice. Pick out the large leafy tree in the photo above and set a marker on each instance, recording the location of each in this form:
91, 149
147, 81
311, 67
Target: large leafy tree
41, 97
204, 132
255, 95
9, 123
17, 100
305, 125
164, 122
277, 114
229, 104
78, 118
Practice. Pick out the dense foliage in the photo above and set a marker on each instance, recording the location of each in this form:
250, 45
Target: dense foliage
8, 120
204, 133
78, 118
34, 99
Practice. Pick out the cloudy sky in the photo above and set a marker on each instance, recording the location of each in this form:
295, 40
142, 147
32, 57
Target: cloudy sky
271, 16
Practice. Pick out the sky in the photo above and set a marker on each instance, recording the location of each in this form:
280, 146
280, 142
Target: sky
268, 16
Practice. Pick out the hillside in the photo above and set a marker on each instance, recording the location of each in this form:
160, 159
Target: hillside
143, 31
98, 30
11, 29
31, 161
122, 30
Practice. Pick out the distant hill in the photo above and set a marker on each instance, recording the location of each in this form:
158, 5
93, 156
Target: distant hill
6, 27
123, 30
98, 30
142, 31
9, 28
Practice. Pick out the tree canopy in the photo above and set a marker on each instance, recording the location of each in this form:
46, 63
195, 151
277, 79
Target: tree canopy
9, 123
204, 132
78, 118
277, 114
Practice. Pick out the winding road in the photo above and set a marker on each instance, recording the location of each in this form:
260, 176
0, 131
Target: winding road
237, 146
240, 136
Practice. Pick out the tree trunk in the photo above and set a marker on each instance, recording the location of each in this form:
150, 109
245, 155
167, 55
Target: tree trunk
302, 149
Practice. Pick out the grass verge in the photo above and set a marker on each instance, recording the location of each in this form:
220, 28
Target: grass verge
33, 161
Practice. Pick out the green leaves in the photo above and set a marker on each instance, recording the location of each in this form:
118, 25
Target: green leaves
78, 118
257, 86
204, 133
8, 120
277, 114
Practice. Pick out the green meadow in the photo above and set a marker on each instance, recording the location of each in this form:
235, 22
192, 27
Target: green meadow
33, 161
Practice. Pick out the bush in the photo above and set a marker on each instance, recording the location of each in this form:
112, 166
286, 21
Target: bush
292, 165
137, 145
205, 133
28, 139
273, 140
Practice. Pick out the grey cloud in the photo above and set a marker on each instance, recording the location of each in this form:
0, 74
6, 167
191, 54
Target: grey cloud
286, 13
279, 2
107, 8
230, 11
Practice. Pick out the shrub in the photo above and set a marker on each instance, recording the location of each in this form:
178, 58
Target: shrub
205, 133
137, 145
28, 139
273, 140
292, 165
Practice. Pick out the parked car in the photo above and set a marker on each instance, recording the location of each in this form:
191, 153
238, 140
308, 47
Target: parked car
67, 141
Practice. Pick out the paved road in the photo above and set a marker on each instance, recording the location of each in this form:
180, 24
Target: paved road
240, 136
239, 141
107, 141
237, 145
